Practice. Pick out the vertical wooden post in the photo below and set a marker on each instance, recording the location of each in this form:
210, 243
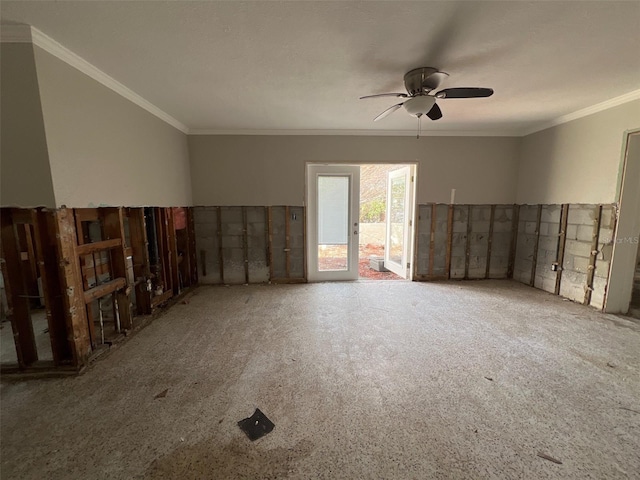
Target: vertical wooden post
270, 241
191, 242
245, 245
287, 247
141, 264
594, 254
220, 251
172, 250
449, 240
534, 262
304, 242
16, 289
490, 240
45, 238
432, 239
515, 221
71, 286
467, 251
114, 228
562, 240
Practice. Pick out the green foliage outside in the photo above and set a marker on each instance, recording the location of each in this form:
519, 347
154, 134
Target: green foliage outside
373, 211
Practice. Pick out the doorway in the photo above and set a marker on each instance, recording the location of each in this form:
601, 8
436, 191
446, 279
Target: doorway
360, 221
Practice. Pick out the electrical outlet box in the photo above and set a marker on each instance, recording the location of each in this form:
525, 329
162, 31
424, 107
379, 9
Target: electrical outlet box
554, 267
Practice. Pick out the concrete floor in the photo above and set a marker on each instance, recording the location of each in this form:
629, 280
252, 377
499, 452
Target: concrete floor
362, 380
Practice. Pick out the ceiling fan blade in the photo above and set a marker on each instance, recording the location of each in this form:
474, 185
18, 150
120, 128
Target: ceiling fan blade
403, 95
388, 111
435, 113
465, 92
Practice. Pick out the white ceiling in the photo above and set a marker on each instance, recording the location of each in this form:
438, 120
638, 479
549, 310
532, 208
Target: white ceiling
248, 66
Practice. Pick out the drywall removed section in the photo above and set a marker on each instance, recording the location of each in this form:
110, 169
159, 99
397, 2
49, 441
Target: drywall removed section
238, 245
464, 241
270, 170
578, 161
566, 250
26, 175
104, 149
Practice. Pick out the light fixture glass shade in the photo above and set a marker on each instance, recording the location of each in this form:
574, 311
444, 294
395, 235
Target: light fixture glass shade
419, 105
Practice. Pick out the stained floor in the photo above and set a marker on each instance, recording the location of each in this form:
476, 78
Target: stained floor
362, 380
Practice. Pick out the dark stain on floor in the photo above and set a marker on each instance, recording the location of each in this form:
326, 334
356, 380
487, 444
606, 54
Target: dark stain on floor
239, 459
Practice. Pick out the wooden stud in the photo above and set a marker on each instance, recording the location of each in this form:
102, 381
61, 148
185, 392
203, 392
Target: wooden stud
71, 286
16, 289
304, 243
416, 244
515, 222
270, 241
432, 239
44, 236
245, 245
173, 250
203, 264
140, 257
287, 246
615, 212
534, 262
594, 254
490, 240
467, 251
105, 289
220, 251
562, 240
113, 225
449, 241
191, 242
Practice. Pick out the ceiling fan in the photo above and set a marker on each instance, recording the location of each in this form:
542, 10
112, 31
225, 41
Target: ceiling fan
420, 84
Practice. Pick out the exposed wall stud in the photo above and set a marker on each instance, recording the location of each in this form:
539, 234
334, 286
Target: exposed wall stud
562, 240
467, 253
287, 249
432, 240
270, 241
447, 261
535, 249
515, 220
220, 251
245, 245
490, 240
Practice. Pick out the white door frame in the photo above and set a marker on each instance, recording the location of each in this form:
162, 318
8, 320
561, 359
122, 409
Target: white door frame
625, 248
402, 269
353, 173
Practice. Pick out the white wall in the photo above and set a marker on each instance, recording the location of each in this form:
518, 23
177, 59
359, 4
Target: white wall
576, 162
25, 176
270, 170
104, 149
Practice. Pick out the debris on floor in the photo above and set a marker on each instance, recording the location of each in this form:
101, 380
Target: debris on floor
162, 394
547, 457
489, 378
256, 426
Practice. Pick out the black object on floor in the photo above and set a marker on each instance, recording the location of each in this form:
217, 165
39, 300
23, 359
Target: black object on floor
256, 426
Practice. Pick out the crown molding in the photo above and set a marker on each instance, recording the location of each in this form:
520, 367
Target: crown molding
26, 33
15, 34
366, 133
599, 107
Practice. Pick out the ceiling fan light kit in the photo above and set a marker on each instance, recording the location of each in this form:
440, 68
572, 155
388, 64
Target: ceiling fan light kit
421, 84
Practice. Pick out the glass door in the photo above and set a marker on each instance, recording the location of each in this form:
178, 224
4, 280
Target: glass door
333, 210
399, 212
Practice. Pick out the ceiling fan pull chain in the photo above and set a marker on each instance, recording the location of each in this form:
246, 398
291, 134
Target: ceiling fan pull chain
419, 125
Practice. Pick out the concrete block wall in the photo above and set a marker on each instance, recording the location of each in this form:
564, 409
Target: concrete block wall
477, 239
583, 253
549, 233
526, 243
253, 247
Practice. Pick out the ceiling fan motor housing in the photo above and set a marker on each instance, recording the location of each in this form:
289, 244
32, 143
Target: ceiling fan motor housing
420, 105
